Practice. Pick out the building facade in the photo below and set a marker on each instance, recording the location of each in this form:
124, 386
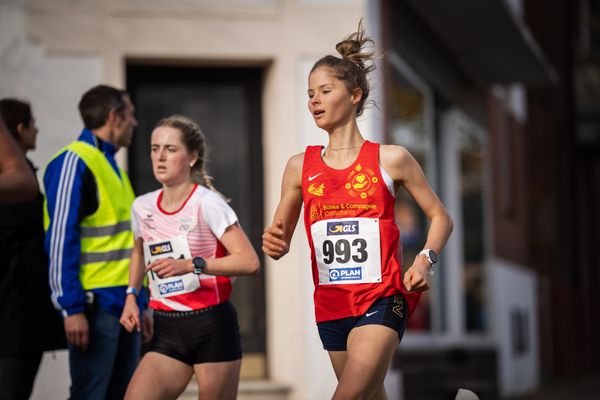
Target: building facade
482, 93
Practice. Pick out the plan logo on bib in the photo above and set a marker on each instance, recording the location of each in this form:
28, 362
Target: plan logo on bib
361, 182
170, 287
345, 274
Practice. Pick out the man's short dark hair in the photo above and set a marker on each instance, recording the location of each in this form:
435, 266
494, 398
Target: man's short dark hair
98, 102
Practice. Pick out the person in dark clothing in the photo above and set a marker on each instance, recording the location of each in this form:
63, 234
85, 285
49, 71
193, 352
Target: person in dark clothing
17, 182
30, 324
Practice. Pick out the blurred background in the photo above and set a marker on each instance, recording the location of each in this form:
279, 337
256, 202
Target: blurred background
499, 100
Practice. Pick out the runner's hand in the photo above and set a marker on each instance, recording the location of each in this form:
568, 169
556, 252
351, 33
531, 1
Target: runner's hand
130, 316
415, 278
274, 244
168, 267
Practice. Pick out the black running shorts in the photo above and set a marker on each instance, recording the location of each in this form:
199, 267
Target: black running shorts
387, 311
201, 336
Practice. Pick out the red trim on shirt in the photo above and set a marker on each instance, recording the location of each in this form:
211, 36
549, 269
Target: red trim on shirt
160, 196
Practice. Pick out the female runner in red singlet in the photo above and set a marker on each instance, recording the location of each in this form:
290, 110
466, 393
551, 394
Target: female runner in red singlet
348, 191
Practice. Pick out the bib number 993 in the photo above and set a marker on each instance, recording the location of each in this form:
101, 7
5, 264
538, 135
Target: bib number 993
342, 250
347, 250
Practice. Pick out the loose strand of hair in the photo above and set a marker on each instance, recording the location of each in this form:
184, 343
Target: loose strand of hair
207, 180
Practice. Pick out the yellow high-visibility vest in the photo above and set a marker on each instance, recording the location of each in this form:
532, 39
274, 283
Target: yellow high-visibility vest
106, 235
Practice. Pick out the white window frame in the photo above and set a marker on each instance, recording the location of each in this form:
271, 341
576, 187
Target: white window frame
451, 123
448, 319
418, 339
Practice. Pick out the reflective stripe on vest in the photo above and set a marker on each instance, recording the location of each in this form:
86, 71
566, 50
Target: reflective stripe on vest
115, 255
90, 231
106, 236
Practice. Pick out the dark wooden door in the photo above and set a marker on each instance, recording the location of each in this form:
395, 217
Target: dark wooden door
225, 102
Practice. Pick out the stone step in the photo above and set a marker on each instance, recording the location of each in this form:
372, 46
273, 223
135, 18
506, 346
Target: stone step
248, 390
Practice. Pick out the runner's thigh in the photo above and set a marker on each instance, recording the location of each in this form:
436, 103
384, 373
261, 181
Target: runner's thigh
218, 380
338, 362
158, 377
369, 354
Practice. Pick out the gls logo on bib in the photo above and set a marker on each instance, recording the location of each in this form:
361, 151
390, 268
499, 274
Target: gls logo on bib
161, 248
342, 228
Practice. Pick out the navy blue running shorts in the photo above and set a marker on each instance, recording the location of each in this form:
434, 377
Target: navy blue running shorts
387, 311
211, 334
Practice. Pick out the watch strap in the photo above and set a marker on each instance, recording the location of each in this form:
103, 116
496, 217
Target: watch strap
431, 257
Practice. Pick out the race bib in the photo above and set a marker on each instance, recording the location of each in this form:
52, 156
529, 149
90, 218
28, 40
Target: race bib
176, 248
347, 250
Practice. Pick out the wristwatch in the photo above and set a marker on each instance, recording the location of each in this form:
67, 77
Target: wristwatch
431, 257
131, 290
199, 264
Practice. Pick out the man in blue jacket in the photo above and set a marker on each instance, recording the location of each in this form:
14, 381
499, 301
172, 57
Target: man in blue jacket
89, 241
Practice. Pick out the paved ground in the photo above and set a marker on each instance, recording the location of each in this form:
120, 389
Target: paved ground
581, 389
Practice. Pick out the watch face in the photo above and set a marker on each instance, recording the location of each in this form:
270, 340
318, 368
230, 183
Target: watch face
432, 256
199, 264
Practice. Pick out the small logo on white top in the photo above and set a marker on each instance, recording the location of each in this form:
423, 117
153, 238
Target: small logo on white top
310, 178
371, 313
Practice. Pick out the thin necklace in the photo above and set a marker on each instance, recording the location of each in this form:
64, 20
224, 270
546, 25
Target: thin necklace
342, 148
324, 151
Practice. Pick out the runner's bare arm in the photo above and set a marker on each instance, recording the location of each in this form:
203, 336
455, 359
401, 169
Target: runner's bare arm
241, 258
405, 171
130, 315
277, 237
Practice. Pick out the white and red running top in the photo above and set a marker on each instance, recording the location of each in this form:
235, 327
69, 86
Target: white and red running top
192, 231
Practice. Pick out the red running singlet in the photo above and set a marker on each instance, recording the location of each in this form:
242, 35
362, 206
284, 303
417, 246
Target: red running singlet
353, 237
